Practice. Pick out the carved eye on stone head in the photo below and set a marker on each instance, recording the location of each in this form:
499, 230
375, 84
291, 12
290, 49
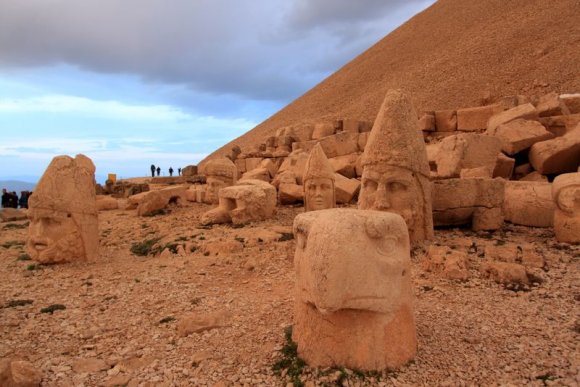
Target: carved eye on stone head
380, 231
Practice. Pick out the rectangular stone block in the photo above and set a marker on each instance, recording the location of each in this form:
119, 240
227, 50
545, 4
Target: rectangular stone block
345, 165
476, 118
252, 162
427, 123
560, 125
519, 135
346, 189
526, 111
558, 155
350, 125
572, 102
340, 144
446, 120
323, 129
529, 203
551, 105
504, 166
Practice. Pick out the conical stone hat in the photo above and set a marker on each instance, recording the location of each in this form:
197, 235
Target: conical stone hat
317, 165
395, 139
67, 185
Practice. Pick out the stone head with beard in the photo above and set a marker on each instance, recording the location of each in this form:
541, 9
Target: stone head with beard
395, 175
63, 213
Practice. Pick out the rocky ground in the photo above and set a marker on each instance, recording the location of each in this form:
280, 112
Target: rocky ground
126, 318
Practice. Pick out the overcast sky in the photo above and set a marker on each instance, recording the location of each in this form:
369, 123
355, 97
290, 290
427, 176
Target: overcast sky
135, 82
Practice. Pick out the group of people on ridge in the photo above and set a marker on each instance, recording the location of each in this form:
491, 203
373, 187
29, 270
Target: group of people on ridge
11, 200
158, 170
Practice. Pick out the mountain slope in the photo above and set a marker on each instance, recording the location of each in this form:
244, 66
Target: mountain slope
448, 57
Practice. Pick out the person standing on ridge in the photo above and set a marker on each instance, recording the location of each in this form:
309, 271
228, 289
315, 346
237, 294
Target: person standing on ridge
152, 170
170, 171
179, 171
158, 171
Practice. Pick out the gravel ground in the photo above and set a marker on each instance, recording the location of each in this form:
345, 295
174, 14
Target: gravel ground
120, 325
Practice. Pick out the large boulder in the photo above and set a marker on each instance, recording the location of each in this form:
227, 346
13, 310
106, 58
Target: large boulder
558, 155
476, 201
529, 203
155, 201
525, 111
464, 151
519, 135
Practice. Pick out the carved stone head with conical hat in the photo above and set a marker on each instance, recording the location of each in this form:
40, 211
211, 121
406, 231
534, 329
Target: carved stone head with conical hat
220, 173
395, 175
63, 212
566, 194
318, 181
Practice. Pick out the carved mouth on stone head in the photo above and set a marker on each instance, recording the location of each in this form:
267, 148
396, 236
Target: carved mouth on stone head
40, 246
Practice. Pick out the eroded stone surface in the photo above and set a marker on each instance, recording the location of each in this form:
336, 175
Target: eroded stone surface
63, 213
352, 310
566, 193
220, 173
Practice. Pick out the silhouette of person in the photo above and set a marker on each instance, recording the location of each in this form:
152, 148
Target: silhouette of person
5, 198
179, 171
170, 171
158, 171
152, 170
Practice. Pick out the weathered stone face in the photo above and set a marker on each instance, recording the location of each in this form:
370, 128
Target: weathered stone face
214, 184
392, 189
53, 237
63, 213
396, 171
353, 309
319, 194
566, 193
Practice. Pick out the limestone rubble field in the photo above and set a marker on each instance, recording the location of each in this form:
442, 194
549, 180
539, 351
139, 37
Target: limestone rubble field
125, 316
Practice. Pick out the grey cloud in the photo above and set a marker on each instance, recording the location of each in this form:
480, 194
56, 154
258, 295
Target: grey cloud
261, 49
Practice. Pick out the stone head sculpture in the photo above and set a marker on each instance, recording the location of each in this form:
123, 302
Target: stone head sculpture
395, 175
353, 289
63, 212
566, 194
318, 181
220, 173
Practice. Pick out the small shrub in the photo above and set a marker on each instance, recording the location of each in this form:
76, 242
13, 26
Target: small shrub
52, 308
201, 238
13, 226
195, 301
286, 236
33, 267
142, 249
171, 247
290, 361
15, 303
166, 320
23, 257
155, 213
9, 244
240, 239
